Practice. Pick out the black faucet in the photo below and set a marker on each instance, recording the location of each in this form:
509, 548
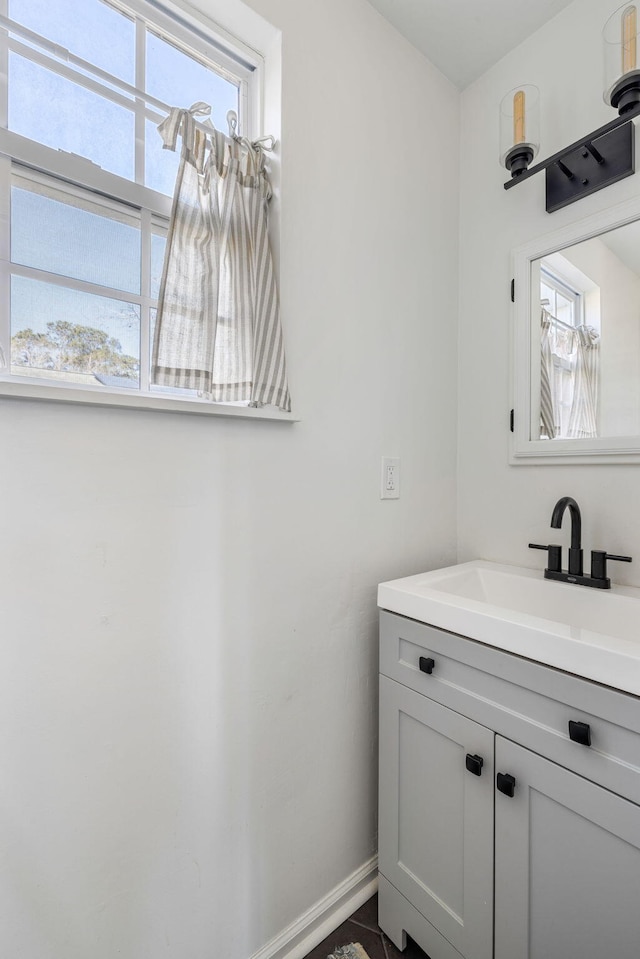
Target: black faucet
575, 550
575, 573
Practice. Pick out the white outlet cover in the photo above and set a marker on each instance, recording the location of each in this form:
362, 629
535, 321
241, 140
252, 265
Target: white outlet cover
390, 478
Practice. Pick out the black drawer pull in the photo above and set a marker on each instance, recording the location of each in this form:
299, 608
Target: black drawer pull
426, 665
474, 764
506, 784
580, 733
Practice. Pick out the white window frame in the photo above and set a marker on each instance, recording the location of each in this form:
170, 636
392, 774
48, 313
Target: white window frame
561, 286
71, 173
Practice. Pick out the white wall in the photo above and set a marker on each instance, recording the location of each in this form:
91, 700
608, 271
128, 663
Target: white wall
502, 508
618, 320
188, 686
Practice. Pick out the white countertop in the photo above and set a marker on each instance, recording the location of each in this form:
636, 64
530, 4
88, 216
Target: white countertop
592, 633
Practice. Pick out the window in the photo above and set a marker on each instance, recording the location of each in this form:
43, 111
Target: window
570, 349
86, 186
564, 306
560, 299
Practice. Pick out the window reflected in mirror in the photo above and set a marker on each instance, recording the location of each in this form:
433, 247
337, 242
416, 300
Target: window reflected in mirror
585, 339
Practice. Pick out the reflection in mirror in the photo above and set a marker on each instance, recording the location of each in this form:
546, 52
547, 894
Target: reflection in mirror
585, 339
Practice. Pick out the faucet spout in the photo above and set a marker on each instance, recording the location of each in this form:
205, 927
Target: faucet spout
576, 519
575, 552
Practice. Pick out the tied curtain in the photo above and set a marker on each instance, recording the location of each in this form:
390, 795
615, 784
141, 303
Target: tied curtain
548, 395
569, 369
582, 419
218, 322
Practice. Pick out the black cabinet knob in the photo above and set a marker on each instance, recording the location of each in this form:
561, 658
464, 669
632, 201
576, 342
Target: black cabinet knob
426, 664
474, 764
580, 733
506, 784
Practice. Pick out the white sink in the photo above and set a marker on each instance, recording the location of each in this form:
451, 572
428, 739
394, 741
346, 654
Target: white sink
594, 633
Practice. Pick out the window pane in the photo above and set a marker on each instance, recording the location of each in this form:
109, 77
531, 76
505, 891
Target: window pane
88, 28
158, 244
161, 166
179, 80
564, 309
62, 115
72, 336
72, 237
546, 293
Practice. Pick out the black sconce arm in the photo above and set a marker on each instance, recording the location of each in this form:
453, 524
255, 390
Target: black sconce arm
586, 166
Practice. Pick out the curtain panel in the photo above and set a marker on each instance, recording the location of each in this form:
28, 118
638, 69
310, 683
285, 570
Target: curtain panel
218, 325
569, 374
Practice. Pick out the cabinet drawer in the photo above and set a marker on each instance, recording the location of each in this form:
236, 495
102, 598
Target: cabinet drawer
524, 701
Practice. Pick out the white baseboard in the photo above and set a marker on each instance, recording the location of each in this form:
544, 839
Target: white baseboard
304, 933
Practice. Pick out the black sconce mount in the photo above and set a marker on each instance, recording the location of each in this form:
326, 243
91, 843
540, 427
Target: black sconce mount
518, 159
591, 163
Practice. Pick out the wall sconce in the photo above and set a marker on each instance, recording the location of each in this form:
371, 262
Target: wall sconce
519, 128
597, 160
621, 76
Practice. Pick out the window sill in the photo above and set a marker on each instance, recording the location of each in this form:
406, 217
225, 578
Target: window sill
123, 399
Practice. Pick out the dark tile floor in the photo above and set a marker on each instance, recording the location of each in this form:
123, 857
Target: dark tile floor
363, 927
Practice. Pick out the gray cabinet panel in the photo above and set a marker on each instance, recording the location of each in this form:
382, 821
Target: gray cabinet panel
399, 918
436, 817
567, 865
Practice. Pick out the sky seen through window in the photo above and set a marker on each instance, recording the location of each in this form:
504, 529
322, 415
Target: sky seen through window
71, 238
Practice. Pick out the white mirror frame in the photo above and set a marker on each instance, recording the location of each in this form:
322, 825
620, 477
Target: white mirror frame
522, 449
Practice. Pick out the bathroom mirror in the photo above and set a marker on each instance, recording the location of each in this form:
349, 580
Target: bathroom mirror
576, 375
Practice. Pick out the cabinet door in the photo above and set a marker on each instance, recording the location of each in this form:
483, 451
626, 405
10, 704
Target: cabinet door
436, 817
567, 864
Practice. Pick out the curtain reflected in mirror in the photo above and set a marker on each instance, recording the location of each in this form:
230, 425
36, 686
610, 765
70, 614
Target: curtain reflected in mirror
585, 344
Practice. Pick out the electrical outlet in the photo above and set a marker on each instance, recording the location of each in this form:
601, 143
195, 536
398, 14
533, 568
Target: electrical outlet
390, 483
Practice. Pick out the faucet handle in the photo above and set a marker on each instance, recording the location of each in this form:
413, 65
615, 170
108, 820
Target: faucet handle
555, 556
599, 559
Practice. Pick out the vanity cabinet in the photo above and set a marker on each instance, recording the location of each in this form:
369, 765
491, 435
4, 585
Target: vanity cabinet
547, 868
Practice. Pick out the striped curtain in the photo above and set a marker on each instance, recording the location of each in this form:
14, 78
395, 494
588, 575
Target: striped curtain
583, 417
548, 408
218, 322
